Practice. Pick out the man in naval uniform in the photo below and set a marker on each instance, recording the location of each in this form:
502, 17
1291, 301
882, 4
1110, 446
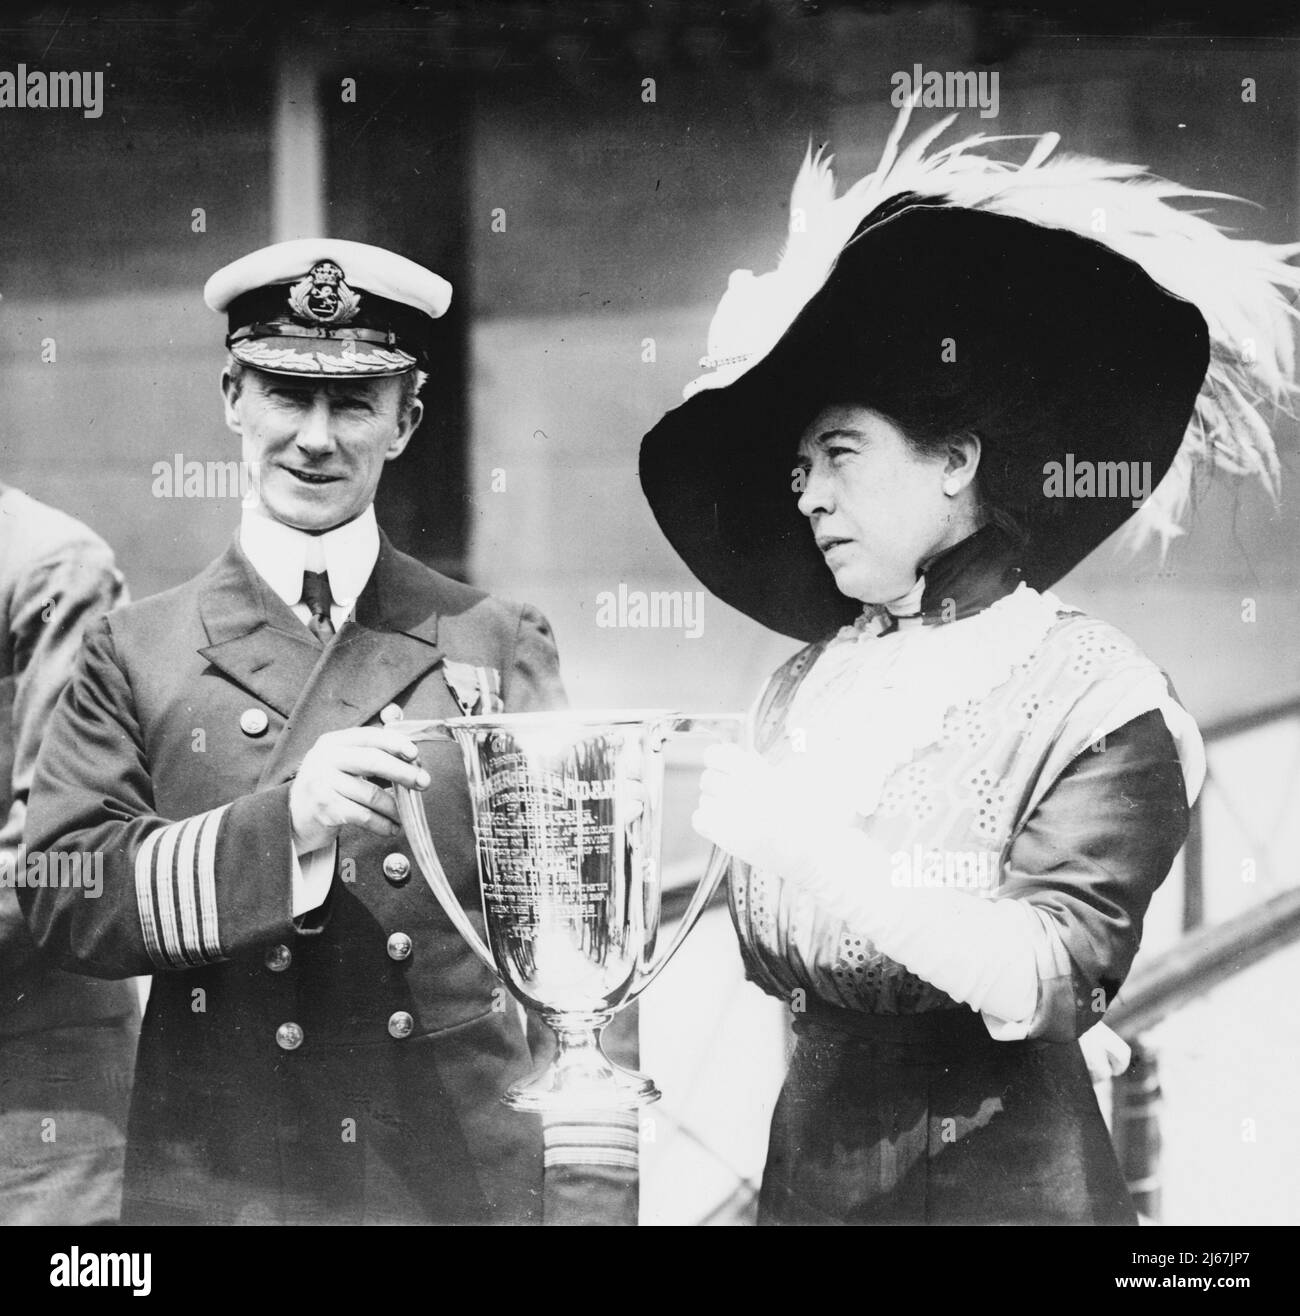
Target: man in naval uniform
319, 1044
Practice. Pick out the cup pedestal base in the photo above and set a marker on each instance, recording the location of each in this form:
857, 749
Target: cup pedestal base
581, 1077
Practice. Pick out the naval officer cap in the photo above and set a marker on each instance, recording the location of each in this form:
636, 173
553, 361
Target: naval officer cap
326, 307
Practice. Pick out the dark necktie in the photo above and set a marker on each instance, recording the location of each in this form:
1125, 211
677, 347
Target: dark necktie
316, 595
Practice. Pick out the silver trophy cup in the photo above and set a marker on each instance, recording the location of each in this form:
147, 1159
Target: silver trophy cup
567, 815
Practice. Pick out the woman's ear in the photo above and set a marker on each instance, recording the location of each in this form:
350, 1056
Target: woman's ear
961, 463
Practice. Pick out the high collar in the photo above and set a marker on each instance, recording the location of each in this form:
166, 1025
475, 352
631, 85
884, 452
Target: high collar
909, 604
969, 576
959, 582
280, 554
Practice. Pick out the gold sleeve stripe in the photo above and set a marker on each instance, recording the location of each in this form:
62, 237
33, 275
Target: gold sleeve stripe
187, 835
208, 883
164, 894
144, 898
176, 891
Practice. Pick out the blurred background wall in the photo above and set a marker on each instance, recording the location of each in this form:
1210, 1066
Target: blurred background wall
589, 221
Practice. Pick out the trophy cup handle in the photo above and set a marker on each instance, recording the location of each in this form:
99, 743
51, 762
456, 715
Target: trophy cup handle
410, 808
719, 860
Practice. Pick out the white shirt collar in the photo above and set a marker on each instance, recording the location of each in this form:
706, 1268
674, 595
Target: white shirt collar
280, 554
909, 604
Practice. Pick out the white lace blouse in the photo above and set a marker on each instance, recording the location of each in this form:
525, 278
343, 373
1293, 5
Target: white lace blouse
938, 740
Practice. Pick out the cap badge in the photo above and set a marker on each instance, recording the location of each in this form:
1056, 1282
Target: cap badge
323, 297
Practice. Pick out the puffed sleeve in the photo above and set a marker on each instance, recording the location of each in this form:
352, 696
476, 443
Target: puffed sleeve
1088, 860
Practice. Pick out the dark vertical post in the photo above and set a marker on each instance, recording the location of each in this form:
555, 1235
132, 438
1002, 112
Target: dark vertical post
1194, 872
397, 176
297, 163
1135, 1129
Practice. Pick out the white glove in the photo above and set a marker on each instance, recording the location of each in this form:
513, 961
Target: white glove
773, 818
1106, 1053
981, 952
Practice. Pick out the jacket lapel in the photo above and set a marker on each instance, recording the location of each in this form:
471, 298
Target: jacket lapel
254, 638
386, 645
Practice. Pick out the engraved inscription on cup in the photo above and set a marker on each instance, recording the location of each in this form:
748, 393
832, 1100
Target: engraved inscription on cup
566, 856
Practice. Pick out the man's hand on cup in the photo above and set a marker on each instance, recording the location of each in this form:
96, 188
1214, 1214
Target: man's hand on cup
344, 780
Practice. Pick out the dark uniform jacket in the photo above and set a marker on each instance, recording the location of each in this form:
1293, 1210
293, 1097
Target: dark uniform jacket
291, 1071
67, 1043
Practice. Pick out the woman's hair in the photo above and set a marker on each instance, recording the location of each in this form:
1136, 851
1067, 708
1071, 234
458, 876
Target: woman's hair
992, 491
933, 405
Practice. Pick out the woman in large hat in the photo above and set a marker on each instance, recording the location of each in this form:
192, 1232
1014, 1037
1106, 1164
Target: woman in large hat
962, 377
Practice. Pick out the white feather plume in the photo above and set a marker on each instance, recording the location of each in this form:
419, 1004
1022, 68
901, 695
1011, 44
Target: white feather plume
1244, 288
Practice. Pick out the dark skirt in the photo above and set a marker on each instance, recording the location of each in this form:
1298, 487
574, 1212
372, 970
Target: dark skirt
924, 1119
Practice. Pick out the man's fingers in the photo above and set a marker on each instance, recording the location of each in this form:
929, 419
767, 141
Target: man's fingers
370, 761
375, 800
391, 742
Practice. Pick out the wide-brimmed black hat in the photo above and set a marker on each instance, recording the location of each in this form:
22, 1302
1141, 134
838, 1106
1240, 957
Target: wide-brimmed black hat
1049, 345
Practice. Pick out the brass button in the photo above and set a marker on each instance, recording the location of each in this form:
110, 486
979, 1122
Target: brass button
400, 1024
399, 946
289, 1036
254, 721
397, 868
278, 958
390, 713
